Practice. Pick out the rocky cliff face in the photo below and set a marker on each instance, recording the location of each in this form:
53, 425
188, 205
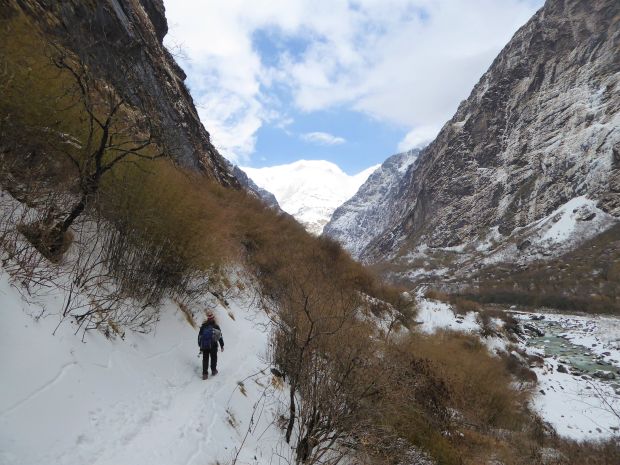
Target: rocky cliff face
359, 220
538, 130
250, 186
121, 42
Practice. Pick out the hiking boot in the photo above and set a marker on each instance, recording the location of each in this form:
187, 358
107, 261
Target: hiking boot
205, 375
214, 372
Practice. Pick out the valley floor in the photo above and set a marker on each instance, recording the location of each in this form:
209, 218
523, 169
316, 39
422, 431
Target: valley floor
577, 404
579, 384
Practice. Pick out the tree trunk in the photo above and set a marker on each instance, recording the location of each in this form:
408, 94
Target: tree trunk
76, 211
291, 418
304, 445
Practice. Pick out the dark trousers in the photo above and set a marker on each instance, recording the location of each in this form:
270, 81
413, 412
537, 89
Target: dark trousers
205, 360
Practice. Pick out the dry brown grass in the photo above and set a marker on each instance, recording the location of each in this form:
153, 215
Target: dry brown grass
434, 294
463, 306
451, 398
583, 453
481, 386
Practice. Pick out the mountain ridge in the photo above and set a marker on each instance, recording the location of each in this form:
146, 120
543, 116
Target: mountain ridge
356, 222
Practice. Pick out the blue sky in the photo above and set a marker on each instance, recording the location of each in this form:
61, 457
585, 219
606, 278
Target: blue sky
359, 140
347, 81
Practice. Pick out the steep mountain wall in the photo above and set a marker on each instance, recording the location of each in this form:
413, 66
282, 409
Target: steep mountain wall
373, 208
121, 42
540, 128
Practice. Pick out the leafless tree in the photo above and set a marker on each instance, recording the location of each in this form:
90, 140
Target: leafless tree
115, 132
321, 345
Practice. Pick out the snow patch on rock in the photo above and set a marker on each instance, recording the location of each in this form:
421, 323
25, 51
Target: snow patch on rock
360, 219
572, 223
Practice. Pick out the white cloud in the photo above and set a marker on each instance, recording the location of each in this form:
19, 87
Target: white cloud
322, 138
411, 67
418, 137
232, 122
408, 62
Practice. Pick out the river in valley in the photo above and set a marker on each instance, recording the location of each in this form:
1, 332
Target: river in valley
579, 381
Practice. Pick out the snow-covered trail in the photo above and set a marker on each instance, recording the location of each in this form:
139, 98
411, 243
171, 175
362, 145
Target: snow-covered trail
133, 401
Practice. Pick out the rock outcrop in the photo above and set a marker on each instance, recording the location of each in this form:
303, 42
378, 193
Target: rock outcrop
359, 220
120, 41
539, 129
267, 197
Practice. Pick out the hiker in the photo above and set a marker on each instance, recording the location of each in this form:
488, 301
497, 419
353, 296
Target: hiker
208, 337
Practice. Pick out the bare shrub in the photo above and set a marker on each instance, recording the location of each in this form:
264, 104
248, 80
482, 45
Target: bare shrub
463, 306
434, 294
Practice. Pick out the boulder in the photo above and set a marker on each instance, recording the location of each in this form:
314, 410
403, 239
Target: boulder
533, 330
605, 375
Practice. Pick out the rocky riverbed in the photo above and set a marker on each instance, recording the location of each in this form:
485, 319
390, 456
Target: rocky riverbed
579, 380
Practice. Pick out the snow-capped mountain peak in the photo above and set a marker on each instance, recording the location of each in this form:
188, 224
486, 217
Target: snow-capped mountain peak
310, 190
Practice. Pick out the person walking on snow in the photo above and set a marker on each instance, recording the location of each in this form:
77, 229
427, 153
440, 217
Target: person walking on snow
208, 337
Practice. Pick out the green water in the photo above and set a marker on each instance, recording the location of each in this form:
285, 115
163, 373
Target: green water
577, 359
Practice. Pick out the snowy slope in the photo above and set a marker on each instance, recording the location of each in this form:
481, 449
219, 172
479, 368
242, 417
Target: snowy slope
562, 230
132, 401
364, 216
434, 315
310, 190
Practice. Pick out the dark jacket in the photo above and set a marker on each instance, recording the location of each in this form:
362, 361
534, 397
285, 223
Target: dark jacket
206, 325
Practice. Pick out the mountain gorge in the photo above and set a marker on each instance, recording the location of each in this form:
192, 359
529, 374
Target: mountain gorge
540, 129
122, 229
309, 190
